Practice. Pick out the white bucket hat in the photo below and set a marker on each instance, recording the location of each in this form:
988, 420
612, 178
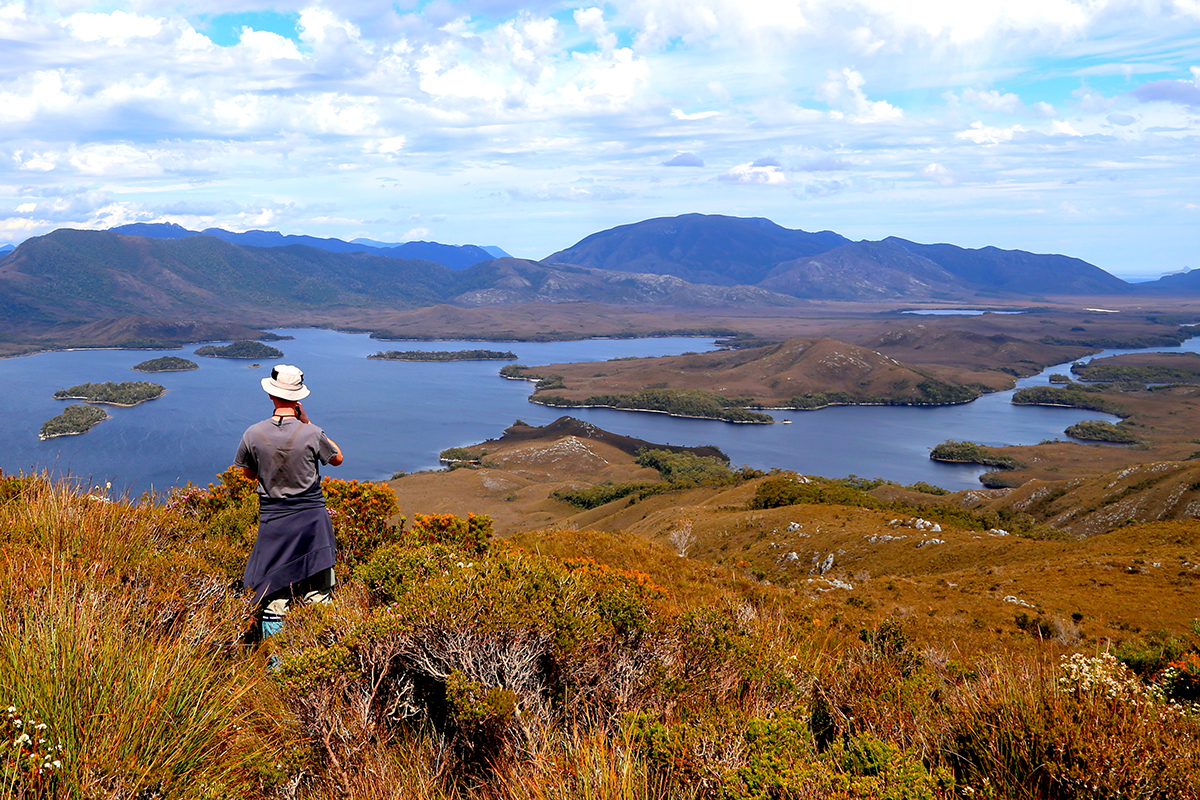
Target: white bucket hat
286, 382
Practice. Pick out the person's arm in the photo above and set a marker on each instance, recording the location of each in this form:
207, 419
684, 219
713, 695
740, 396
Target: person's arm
245, 460
337, 458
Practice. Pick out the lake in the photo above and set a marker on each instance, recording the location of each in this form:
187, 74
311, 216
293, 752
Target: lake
389, 416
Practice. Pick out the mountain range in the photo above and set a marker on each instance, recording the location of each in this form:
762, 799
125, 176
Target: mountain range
264, 277
82, 276
448, 255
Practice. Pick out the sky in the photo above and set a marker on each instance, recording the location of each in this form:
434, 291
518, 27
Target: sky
1065, 126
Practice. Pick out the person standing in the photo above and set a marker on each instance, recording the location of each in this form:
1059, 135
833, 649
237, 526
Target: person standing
294, 552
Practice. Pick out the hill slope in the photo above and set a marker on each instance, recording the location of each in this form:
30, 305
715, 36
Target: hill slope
91, 275
865, 271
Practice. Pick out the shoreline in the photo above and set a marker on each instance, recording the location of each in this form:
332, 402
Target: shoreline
656, 411
118, 405
45, 438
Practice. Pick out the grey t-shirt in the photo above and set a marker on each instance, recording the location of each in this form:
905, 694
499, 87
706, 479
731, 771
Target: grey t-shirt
285, 454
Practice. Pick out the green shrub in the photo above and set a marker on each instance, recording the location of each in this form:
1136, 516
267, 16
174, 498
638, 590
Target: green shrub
1180, 680
600, 494
687, 469
365, 516
471, 535
480, 714
457, 454
680, 402
970, 453
1073, 396
781, 762
788, 489
1153, 653
996, 479
1095, 430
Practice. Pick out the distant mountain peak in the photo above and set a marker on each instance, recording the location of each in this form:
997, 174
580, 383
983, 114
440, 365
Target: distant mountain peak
723, 251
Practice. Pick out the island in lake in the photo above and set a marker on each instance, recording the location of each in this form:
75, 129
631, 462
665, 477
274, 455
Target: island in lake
166, 364
73, 421
240, 349
445, 355
126, 393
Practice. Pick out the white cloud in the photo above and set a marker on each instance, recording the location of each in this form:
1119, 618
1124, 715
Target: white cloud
119, 160
755, 173
26, 208
591, 21
115, 29
986, 134
36, 162
319, 26
21, 225
678, 114
940, 175
41, 92
1063, 128
267, 46
992, 100
842, 90
386, 146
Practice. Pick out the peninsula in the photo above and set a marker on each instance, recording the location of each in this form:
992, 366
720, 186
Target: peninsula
126, 393
444, 355
73, 421
796, 374
166, 364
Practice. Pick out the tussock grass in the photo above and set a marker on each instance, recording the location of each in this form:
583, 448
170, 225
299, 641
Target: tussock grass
124, 644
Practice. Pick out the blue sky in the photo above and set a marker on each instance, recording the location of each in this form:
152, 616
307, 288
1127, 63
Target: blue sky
1046, 125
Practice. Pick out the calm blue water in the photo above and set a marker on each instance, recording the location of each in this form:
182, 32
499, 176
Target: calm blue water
390, 416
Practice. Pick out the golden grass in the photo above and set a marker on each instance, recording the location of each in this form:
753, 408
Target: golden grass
118, 632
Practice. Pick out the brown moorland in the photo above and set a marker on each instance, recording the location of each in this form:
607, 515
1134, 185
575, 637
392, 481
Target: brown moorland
960, 587
771, 376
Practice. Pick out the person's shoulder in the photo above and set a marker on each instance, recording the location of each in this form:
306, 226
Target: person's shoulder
257, 426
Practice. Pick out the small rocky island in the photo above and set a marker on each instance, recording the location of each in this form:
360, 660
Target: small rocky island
73, 421
445, 355
244, 348
126, 393
166, 364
